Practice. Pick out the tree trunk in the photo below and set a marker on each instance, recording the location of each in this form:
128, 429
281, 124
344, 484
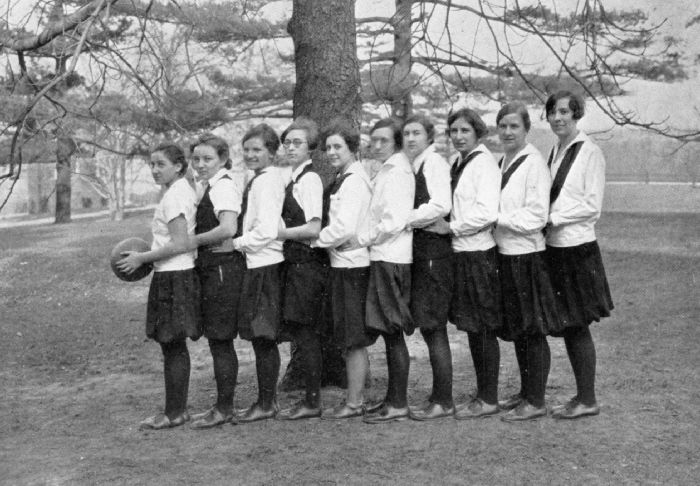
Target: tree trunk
65, 147
402, 105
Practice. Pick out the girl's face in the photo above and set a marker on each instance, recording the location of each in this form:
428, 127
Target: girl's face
512, 133
415, 139
206, 161
164, 172
463, 136
296, 146
339, 155
382, 143
561, 120
255, 154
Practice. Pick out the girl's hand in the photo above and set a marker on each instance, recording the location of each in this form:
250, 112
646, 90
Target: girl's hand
130, 262
440, 227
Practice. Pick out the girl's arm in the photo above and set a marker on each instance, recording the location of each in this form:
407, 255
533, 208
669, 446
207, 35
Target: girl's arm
228, 224
181, 243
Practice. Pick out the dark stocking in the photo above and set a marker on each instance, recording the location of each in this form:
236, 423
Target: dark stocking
581, 351
398, 364
267, 365
225, 372
441, 364
537, 364
176, 369
486, 357
521, 356
309, 343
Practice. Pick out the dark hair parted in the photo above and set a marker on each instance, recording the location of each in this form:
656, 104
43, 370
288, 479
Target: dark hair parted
396, 129
346, 131
576, 104
264, 132
174, 154
514, 108
306, 124
428, 125
217, 143
471, 117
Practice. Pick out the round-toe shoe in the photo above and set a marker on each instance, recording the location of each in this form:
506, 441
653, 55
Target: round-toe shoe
387, 414
344, 411
161, 421
299, 411
256, 413
433, 411
211, 418
559, 408
477, 408
511, 402
374, 407
574, 410
524, 411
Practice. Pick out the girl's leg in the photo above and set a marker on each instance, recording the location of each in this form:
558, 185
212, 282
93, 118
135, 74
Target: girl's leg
398, 364
538, 364
225, 372
309, 342
486, 357
441, 364
582, 355
357, 364
267, 365
176, 370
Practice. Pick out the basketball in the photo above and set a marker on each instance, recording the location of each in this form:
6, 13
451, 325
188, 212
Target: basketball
130, 244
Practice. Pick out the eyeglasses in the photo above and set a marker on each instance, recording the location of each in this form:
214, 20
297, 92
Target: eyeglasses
296, 142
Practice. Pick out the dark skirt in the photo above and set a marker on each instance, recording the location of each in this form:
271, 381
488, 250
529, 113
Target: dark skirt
529, 307
173, 306
348, 298
303, 297
431, 289
476, 300
580, 285
260, 310
388, 297
221, 281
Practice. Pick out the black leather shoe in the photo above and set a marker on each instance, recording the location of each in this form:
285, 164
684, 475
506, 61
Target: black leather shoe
432, 412
344, 411
558, 408
298, 412
256, 412
576, 410
374, 407
477, 408
511, 402
387, 414
524, 412
211, 418
161, 421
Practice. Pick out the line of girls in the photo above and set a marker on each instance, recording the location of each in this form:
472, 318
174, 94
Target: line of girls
501, 249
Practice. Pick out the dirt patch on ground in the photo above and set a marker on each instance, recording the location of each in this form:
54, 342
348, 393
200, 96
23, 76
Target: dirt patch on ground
78, 375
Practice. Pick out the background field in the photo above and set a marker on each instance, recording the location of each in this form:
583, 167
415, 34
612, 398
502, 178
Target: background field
78, 375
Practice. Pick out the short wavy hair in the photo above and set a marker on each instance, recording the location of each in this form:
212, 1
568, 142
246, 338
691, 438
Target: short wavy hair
267, 134
576, 104
347, 132
306, 124
515, 108
471, 117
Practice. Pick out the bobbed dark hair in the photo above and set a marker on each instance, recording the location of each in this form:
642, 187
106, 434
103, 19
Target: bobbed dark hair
347, 132
428, 125
576, 104
471, 117
396, 129
217, 143
306, 124
174, 154
264, 132
514, 108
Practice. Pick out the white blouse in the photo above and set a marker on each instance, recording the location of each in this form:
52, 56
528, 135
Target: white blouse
475, 203
574, 213
178, 199
308, 192
524, 207
437, 177
393, 192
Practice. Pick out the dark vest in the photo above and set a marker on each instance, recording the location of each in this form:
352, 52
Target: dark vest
426, 244
205, 220
293, 216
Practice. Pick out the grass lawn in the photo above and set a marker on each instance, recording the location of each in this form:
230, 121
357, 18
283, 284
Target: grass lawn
78, 375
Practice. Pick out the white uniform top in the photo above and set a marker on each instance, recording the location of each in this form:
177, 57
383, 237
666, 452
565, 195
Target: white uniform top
225, 194
178, 199
308, 192
475, 203
346, 215
386, 233
261, 220
574, 213
524, 206
437, 178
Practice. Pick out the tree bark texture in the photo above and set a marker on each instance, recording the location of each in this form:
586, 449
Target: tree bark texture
402, 105
65, 147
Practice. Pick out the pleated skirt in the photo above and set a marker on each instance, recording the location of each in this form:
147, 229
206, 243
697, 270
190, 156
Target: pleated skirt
388, 297
348, 299
431, 290
529, 307
304, 295
221, 281
476, 300
173, 310
580, 285
260, 311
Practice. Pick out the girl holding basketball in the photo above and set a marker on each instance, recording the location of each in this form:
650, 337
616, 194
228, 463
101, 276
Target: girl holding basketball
173, 297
